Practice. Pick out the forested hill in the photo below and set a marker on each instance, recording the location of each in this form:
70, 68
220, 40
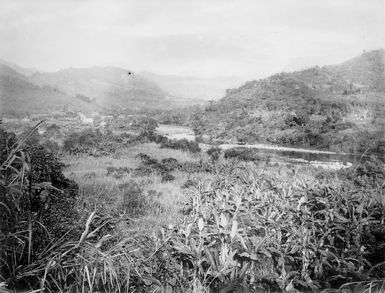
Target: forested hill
336, 107
367, 70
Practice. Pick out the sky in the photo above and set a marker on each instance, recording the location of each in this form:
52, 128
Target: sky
202, 38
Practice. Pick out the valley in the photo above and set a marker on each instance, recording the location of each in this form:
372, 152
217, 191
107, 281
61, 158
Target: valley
111, 181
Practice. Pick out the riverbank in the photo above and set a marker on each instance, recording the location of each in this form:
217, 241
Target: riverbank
276, 148
318, 158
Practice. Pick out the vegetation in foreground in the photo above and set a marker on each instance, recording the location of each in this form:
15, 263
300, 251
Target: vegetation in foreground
234, 225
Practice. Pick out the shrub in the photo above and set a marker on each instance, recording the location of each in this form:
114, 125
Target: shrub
118, 172
181, 144
157, 138
214, 153
60, 215
170, 164
143, 170
197, 167
297, 119
189, 183
150, 165
242, 154
168, 177
36, 206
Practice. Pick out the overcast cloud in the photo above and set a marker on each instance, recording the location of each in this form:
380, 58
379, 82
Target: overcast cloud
195, 38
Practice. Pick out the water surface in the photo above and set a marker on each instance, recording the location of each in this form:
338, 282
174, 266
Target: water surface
320, 158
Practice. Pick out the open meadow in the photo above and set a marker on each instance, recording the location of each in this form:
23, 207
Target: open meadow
103, 183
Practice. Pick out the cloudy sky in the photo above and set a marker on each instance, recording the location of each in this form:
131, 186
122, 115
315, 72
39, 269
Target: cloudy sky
245, 38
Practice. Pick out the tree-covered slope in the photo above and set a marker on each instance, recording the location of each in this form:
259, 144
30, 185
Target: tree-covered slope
338, 107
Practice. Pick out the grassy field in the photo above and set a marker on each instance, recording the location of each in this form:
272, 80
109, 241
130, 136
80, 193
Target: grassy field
100, 189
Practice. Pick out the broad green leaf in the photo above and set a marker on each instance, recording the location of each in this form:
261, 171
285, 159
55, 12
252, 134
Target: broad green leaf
201, 224
234, 229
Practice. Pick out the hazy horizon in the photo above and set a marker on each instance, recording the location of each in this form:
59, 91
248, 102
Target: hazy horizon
189, 38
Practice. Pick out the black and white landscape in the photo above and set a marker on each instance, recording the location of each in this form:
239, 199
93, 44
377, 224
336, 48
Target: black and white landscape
192, 146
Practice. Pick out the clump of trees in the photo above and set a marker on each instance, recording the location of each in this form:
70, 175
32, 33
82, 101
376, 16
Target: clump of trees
166, 166
146, 126
149, 165
197, 123
181, 144
96, 143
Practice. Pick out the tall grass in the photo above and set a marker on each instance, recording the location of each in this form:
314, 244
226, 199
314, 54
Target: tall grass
99, 258
16, 191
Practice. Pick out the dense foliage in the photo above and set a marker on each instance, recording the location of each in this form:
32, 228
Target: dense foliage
181, 144
248, 228
317, 107
166, 166
214, 153
96, 142
248, 225
243, 154
36, 206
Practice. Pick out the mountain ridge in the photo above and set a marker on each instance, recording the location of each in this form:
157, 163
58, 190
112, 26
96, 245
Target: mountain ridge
18, 96
100, 87
121, 89
108, 86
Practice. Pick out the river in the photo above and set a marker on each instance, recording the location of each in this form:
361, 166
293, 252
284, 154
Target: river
319, 158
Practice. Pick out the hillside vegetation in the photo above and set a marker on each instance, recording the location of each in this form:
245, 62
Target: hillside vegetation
339, 107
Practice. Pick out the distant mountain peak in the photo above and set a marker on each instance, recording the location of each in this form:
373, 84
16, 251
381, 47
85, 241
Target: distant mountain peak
19, 69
